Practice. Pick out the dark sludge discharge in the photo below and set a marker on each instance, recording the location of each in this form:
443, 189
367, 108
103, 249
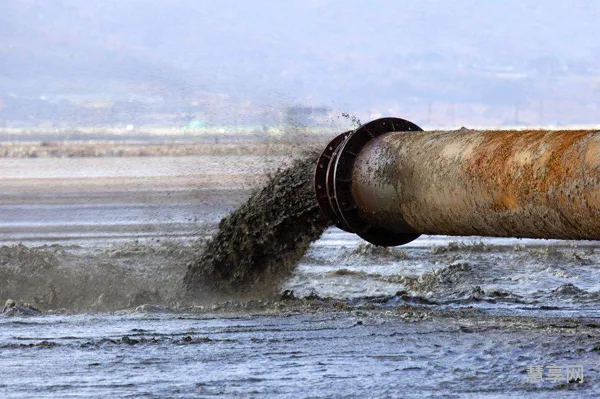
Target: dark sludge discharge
260, 243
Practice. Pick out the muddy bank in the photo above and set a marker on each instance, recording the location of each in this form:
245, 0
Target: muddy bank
260, 243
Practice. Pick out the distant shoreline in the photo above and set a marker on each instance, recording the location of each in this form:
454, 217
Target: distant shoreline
124, 149
102, 144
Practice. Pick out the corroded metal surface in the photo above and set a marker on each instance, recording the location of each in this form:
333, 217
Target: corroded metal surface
536, 184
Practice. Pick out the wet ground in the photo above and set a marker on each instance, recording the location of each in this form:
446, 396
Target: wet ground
105, 242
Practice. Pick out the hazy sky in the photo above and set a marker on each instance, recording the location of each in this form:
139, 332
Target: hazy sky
341, 53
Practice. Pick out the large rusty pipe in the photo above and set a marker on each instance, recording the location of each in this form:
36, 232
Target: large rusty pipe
390, 182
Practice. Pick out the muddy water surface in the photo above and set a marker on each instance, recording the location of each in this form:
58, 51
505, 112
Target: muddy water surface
102, 260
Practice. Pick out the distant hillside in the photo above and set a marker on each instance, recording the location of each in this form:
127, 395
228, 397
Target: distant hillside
355, 55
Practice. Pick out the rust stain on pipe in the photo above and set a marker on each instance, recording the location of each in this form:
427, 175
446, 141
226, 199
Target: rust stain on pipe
389, 182
536, 184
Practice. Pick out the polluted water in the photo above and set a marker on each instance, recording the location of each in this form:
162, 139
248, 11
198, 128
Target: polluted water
273, 302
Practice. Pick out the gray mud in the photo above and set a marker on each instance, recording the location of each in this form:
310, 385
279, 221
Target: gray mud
260, 243
403, 351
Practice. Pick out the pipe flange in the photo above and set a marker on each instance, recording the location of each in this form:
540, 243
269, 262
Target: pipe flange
324, 181
343, 204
